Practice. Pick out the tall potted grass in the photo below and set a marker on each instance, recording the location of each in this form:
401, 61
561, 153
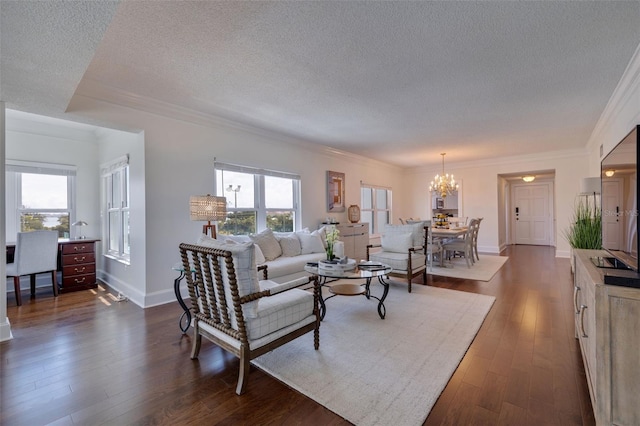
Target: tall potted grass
585, 231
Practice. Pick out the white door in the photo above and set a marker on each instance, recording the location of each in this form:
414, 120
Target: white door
532, 213
611, 225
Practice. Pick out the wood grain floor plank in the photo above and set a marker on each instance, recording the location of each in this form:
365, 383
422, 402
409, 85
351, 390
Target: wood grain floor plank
104, 362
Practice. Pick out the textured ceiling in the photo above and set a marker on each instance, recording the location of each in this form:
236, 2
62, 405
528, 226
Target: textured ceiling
398, 81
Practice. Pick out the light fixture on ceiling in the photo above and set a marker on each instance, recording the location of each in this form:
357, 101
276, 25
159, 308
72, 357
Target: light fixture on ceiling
208, 207
528, 178
443, 184
609, 173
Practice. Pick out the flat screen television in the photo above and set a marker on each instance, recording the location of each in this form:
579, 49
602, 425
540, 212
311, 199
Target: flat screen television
619, 200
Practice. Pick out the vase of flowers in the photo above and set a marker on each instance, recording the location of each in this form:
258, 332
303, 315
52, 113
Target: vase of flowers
331, 238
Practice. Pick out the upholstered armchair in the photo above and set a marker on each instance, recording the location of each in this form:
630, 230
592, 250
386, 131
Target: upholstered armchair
239, 313
405, 249
36, 253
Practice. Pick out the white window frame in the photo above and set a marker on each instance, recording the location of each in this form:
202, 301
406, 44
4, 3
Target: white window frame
374, 226
259, 192
13, 172
116, 170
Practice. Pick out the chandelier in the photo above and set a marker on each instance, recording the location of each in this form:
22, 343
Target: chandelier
443, 184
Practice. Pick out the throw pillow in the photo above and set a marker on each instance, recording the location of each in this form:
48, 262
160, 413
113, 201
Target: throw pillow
259, 256
310, 242
416, 230
244, 264
268, 244
396, 243
290, 244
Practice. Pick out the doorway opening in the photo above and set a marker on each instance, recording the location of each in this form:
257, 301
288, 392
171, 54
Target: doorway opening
527, 208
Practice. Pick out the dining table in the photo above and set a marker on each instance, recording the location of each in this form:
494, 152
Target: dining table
444, 234
448, 232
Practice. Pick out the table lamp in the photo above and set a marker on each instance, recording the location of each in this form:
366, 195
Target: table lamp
79, 224
208, 207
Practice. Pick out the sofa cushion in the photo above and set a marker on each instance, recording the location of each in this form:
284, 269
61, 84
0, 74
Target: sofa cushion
310, 242
397, 243
279, 311
290, 244
399, 261
268, 244
290, 265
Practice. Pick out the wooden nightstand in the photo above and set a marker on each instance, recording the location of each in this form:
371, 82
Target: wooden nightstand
77, 261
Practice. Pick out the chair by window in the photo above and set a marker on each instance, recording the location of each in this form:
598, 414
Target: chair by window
464, 244
404, 248
237, 312
36, 253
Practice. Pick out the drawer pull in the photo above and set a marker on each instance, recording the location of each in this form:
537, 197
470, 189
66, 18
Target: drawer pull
81, 259
76, 248
79, 269
79, 281
582, 309
576, 289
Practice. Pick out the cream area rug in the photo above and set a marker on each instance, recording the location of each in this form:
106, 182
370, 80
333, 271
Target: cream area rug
382, 372
483, 270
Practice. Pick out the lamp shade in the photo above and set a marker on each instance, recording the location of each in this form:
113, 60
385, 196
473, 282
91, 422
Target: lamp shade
207, 207
590, 185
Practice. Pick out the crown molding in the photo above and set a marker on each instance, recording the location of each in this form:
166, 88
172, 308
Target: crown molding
102, 93
507, 160
626, 92
26, 123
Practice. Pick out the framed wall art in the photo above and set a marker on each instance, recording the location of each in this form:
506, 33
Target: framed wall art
335, 192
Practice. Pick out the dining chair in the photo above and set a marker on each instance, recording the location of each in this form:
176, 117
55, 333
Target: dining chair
36, 253
463, 245
475, 238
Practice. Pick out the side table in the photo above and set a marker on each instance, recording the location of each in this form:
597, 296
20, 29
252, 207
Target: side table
185, 319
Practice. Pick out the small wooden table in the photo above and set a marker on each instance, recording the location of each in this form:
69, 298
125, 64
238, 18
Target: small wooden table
379, 271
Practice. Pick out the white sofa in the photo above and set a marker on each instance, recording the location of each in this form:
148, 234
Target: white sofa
286, 253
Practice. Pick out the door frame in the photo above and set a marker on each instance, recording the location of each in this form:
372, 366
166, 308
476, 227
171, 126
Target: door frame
510, 214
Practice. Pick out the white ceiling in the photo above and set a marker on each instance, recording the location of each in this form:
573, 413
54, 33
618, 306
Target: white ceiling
398, 81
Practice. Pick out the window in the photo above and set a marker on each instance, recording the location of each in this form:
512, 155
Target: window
376, 207
257, 199
39, 196
116, 233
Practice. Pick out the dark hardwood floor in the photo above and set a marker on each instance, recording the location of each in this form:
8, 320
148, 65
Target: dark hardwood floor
85, 359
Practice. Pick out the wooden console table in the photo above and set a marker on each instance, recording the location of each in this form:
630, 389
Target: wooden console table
607, 320
76, 261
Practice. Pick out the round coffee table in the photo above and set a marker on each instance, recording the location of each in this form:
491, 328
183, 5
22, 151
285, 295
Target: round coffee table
366, 272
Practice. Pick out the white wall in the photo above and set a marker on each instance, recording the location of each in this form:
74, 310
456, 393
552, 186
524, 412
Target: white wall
128, 279
178, 162
481, 191
621, 114
53, 143
5, 325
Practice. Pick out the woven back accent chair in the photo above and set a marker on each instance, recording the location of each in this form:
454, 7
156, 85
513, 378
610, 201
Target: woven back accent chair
237, 312
36, 253
404, 248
